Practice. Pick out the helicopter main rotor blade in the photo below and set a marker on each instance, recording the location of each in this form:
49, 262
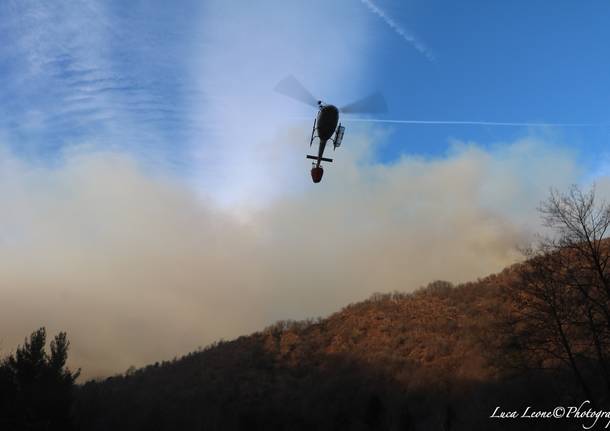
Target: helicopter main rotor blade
371, 104
291, 87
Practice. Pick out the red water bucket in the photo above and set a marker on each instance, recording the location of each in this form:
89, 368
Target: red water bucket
316, 174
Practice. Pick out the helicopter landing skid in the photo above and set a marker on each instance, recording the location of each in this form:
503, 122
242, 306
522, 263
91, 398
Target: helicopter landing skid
322, 159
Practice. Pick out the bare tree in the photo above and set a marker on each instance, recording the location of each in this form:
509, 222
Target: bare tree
562, 298
582, 223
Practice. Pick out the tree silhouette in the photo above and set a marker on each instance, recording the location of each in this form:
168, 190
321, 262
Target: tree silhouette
562, 295
35, 387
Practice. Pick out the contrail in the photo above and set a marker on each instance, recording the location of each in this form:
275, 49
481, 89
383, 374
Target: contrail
409, 38
469, 123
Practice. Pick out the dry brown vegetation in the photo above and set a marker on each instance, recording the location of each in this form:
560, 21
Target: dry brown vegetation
425, 360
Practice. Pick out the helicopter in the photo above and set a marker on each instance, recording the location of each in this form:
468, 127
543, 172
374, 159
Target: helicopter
326, 126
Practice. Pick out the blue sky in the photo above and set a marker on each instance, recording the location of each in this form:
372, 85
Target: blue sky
497, 61
154, 186
92, 73
166, 82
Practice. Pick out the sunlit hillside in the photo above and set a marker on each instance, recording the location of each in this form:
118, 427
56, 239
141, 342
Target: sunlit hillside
425, 360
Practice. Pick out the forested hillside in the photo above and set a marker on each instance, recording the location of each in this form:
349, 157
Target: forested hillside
396, 361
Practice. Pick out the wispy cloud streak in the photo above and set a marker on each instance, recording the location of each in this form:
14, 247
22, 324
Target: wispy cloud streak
408, 37
119, 83
469, 123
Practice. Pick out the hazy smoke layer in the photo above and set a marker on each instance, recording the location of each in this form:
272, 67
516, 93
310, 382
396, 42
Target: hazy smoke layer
137, 268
